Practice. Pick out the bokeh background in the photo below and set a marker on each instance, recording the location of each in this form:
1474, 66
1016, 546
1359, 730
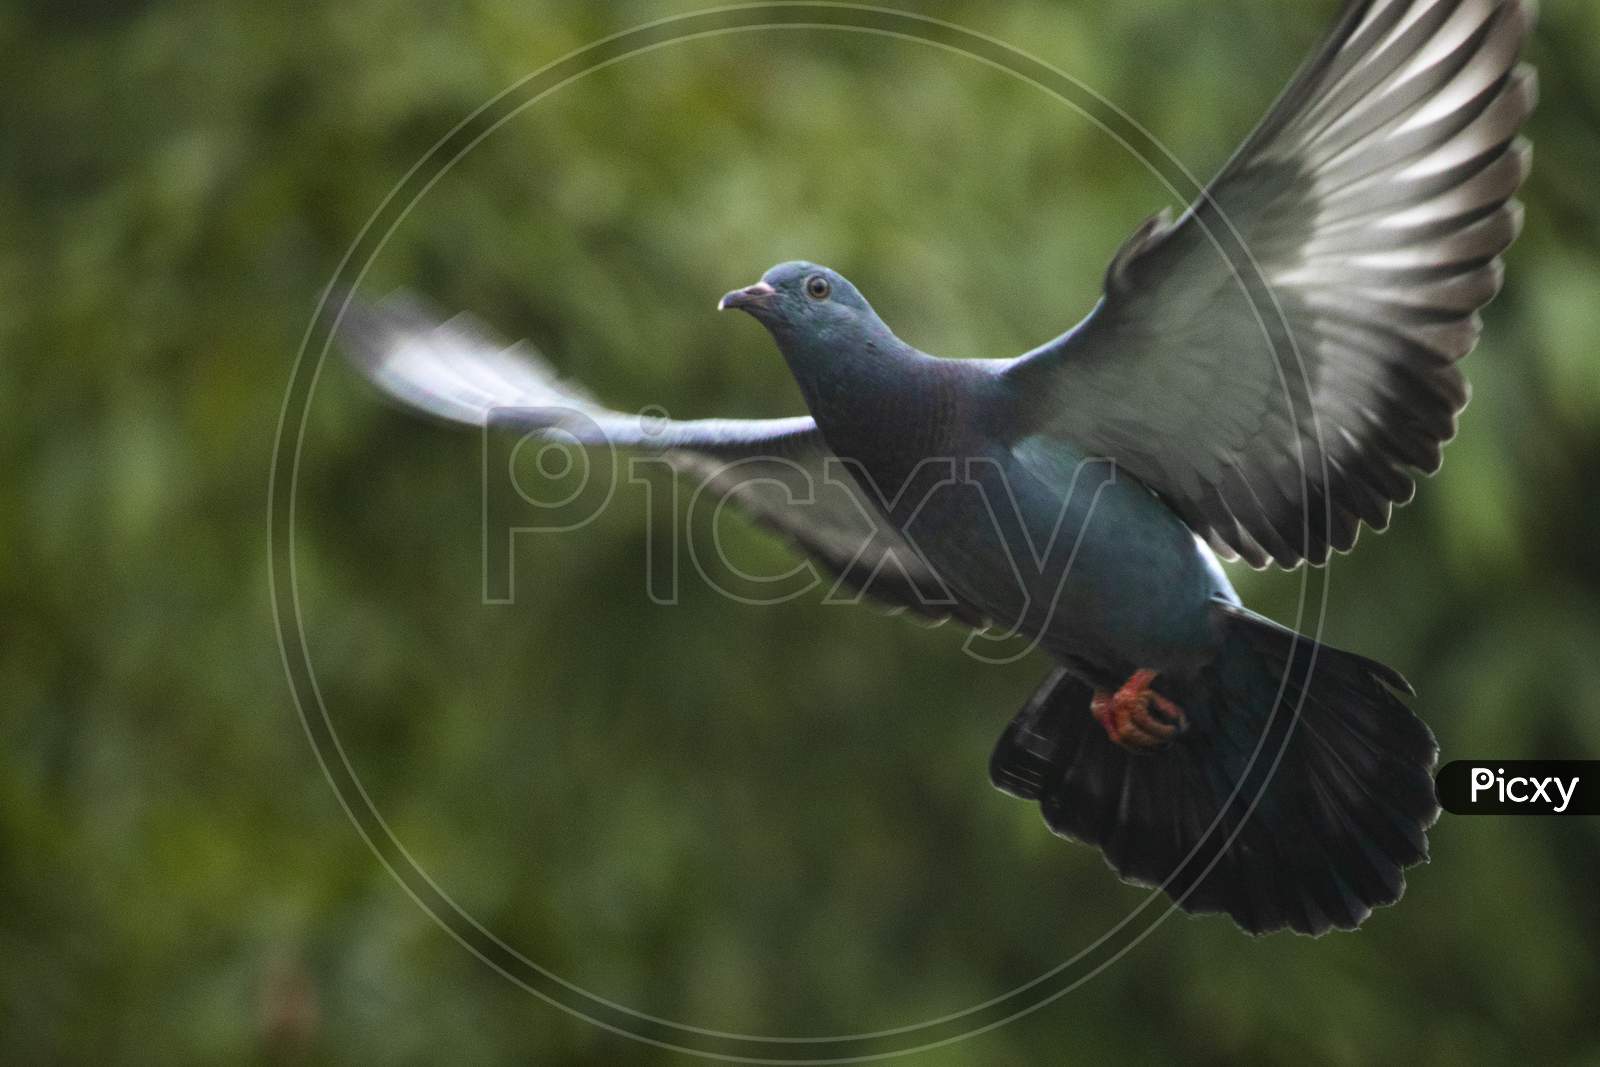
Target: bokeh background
764, 819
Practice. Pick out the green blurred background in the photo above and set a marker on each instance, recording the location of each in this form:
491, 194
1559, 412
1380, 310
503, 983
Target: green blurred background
764, 819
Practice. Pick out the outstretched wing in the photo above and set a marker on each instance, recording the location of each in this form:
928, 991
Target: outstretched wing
779, 471
1369, 209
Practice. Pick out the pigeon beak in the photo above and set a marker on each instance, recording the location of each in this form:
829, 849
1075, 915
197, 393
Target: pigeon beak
757, 295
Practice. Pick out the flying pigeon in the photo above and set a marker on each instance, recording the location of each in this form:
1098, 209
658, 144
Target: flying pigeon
1262, 376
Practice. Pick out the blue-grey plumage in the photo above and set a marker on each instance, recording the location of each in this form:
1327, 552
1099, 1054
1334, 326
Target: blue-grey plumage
1081, 493
1039, 536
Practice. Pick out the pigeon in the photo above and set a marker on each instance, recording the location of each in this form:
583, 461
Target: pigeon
1080, 496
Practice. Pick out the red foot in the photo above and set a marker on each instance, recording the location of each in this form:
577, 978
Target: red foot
1136, 717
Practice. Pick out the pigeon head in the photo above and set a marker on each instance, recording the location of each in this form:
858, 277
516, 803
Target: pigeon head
801, 301
828, 333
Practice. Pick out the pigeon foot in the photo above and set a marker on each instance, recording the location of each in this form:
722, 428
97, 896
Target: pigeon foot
1136, 717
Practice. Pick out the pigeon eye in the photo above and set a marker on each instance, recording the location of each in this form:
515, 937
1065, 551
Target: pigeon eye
818, 287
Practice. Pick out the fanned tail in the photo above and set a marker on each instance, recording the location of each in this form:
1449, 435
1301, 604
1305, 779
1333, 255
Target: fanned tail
1300, 811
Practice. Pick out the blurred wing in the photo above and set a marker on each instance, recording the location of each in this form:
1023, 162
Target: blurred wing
777, 470
1370, 206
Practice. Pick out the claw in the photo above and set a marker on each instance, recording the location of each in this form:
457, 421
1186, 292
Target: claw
1137, 717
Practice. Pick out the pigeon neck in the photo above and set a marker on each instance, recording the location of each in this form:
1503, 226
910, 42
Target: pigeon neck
849, 378
877, 400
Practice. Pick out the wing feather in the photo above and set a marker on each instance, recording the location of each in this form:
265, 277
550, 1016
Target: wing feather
1280, 361
776, 470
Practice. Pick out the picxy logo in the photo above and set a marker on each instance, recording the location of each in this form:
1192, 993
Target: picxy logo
1523, 790
1519, 787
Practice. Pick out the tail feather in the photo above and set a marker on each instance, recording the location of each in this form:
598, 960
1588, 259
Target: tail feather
1297, 798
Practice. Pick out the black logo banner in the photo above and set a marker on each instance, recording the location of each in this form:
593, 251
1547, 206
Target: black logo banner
1519, 787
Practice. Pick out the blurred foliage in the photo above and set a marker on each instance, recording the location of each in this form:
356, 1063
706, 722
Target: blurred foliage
769, 819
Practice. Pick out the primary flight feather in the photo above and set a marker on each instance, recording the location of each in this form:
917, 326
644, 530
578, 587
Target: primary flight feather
1262, 377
